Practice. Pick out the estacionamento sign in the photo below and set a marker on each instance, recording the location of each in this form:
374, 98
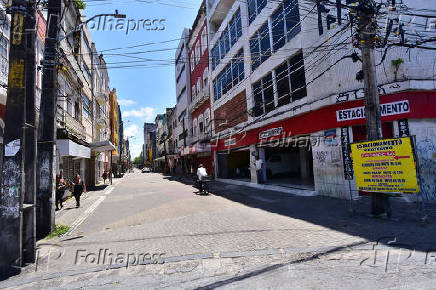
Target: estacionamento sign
385, 166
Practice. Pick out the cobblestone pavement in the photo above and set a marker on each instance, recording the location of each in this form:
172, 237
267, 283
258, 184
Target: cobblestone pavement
150, 231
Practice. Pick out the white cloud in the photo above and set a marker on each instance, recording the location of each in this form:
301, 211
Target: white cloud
126, 102
144, 112
131, 131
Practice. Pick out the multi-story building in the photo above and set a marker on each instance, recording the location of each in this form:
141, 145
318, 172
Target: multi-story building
171, 157
114, 130
283, 77
161, 142
181, 131
75, 98
199, 109
102, 146
149, 150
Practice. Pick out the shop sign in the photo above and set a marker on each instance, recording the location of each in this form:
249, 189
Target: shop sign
385, 166
346, 154
271, 133
203, 147
230, 142
389, 109
403, 128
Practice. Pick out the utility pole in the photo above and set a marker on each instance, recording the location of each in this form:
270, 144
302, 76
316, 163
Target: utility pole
47, 125
367, 11
17, 197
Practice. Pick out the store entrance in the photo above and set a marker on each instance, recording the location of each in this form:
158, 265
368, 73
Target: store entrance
235, 165
290, 166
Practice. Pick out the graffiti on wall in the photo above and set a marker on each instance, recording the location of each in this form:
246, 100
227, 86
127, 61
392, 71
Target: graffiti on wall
426, 150
328, 169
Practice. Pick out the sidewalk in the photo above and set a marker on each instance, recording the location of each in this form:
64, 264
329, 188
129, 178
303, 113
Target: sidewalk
69, 215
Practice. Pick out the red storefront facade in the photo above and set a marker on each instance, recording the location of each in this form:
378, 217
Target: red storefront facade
325, 162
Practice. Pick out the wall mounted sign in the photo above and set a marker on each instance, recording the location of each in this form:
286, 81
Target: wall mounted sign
271, 133
388, 109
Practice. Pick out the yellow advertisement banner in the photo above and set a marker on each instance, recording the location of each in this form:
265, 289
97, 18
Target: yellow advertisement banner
385, 166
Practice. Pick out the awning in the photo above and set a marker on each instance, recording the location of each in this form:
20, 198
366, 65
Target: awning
71, 149
102, 146
196, 148
160, 159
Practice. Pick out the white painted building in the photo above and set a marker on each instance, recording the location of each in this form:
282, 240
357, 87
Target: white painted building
181, 130
295, 78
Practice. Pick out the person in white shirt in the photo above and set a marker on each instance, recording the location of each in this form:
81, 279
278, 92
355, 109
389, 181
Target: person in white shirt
201, 173
259, 169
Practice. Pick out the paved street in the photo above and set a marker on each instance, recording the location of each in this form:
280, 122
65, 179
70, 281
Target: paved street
158, 233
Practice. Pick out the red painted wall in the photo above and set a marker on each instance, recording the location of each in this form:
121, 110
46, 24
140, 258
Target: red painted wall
203, 63
201, 109
422, 106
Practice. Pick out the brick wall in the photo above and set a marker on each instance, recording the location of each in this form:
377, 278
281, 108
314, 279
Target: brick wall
231, 113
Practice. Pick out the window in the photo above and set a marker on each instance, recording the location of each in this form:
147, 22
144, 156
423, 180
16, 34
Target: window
194, 128
197, 52
77, 110
292, 16
198, 86
230, 76
206, 120
182, 94
88, 48
182, 115
283, 84
205, 80
200, 124
263, 94
204, 40
260, 46
298, 78
215, 52
193, 92
228, 38
291, 86
86, 106
180, 74
254, 8
86, 71
192, 60
180, 54
285, 23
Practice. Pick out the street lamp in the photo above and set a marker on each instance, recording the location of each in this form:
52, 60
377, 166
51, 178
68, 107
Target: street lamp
79, 27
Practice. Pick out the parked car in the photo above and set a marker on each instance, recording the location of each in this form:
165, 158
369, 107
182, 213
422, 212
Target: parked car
146, 170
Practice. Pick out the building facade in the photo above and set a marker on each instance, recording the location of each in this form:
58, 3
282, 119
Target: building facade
282, 77
199, 109
149, 150
183, 93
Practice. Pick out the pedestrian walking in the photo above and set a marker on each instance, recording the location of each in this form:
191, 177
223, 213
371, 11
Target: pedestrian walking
104, 176
78, 187
61, 185
259, 169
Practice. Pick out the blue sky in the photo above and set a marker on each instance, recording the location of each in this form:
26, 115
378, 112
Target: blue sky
144, 87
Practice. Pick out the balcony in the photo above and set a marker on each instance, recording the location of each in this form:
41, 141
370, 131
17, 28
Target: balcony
218, 9
71, 124
100, 123
199, 100
101, 98
201, 137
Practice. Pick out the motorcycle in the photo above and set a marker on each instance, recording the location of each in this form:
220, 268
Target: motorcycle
205, 188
